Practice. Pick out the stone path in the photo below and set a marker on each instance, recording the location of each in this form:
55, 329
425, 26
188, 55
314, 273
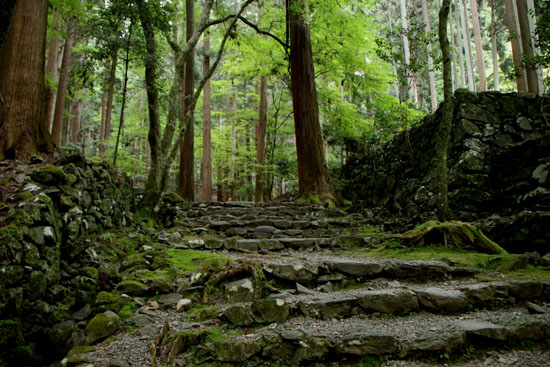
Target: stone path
322, 308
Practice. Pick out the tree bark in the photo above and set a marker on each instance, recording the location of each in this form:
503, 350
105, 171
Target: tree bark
124, 89
206, 128
110, 95
431, 73
467, 45
57, 123
444, 130
67, 112
186, 175
22, 61
77, 119
479, 48
460, 42
313, 178
528, 49
404, 94
516, 44
234, 149
104, 107
260, 140
496, 74
51, 69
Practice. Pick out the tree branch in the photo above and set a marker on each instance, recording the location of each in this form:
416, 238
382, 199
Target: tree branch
265, 33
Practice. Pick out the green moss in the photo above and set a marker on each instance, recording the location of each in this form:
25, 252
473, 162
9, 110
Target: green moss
127, 311
106, 297
191, 260
48, 175
90, 272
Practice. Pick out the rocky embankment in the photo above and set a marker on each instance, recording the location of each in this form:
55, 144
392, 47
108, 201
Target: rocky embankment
498, 170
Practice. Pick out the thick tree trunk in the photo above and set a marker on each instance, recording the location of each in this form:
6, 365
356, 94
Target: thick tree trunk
22, 59
513, 26
431, 72
77, 121
57, 123
313, 179
51, 70
479, 48
444, 130
187, 155
152, 186
260, 140
528, 49
206, 128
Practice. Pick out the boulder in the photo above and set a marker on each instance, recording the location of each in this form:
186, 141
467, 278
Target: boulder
239, 315
434, 342
301, 273
273, 310
439, 300
329, 307
235, 349
102, 326
389, 301
355, 268
483, 329
312, 348
241, 290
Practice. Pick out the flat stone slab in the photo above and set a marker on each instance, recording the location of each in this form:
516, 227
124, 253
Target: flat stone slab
301, 273
329, 307
440, 300
406, 269
355, 268
296, 243
387, 301
434, 342
483, 329
366, 342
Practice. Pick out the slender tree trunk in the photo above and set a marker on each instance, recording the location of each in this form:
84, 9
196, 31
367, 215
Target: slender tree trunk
110, 96
124, 88
467, 45
77, 119
528, 49
453, 49
313, 179
57, 123
431, 72
207, 127
260, 140
104, 107
234, 149
406, 52
460, 41
531, 12
68, 109
511, 17
444, 130
496, 74
187, 177
479, 48
22, 61
51, 70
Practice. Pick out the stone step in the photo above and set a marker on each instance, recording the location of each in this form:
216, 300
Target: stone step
404, 337
398, 300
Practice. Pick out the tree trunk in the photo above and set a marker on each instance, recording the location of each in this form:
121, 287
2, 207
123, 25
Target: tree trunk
51, 70
66, 119
496, 74
152, 185
110, 96
467, 45
124, 89
513, 27
22, 59
460, 42
313, 179
234, 150
479, 48
404, 94
453, 51
57, 123
104, 107
186, 175
260, 140
528, 49
531, 11
206, 128
431, 72
77, 119
444, 130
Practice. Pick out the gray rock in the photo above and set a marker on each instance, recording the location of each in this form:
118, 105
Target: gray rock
220, 225
355, 268
248, 245
364, 342
403, 269
169, 300
434, 342
440, 300
483, 329
300, 289
312, 348
389, 301
479, 293
236, 231
302, 273
296, 243
213, 244
327, 308
536, 309
281, 224
270, 245
541, 173
528, 328
268, 311
545, 260
239, 315
241, 290
235, 349
525, 289
142, 320
264, 231
149, 330
102, 326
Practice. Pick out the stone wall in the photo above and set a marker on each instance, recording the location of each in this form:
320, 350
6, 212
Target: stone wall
49, 213
498, 170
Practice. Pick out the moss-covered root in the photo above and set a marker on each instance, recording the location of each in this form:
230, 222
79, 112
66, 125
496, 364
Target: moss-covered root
453, 234
246, 267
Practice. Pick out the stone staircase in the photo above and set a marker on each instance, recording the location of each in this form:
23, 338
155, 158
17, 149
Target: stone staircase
316, 306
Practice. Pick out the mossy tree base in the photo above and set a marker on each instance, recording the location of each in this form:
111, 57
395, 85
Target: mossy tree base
452, 234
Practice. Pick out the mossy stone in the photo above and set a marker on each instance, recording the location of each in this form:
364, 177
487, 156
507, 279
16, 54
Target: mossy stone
37, 285
228, 349
102, 326
90, 272
132, 288
48, 175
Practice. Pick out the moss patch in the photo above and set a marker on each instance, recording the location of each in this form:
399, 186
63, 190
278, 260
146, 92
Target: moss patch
190, 261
